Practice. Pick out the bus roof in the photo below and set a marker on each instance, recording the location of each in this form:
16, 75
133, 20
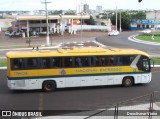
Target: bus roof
77, 51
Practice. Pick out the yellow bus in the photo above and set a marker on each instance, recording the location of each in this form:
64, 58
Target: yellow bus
76, 67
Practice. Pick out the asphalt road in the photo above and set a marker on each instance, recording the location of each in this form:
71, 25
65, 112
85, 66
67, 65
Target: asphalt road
121, 41
86, 98
83, 98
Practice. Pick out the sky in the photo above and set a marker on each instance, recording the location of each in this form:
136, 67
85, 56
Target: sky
30, 5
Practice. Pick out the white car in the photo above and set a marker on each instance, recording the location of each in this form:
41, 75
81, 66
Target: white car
146, 31
113, 33
15, 34
7, 33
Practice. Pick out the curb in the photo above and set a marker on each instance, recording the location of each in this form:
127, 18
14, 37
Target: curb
132, 38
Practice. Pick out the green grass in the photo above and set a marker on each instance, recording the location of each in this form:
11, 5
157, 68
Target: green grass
2, 62
148, 37
156, 60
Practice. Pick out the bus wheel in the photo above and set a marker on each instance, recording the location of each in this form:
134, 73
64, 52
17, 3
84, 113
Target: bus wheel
49, 86
127, 81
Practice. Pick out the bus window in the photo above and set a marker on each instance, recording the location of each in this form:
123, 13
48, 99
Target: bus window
119, 61
17, 64
144, 64
56, 62
109, 61
98, 61
112, 61
68, 62
89, 61
32, 63
127, 60
124, 60
84, 61
45, 62
78, 61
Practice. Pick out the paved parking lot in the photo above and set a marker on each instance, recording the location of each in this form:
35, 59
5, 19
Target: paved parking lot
6, 41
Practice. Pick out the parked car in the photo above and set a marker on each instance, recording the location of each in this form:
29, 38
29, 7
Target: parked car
15, 34
113, 33
146, 31
7, 33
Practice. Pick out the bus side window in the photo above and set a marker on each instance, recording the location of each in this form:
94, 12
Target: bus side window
112, 60
68, 62
45, 62
32, 63
78, 61
98, 61
108, 61
56, 62
103, 61
17, 63
119, 62
89, 61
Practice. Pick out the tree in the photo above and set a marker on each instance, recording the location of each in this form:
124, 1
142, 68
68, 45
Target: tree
103, 24
90, 21
57, 12
70, 12
139, 15
97, 16
125, 20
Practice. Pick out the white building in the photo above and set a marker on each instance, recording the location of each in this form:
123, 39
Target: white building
99, 9
86, 8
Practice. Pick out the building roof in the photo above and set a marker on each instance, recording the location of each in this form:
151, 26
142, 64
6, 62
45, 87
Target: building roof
43, 17
51, 17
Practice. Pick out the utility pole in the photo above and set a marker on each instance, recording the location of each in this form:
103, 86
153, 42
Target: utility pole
81, 20
62, 29
155, 20
47, 37
120, 29
116, 18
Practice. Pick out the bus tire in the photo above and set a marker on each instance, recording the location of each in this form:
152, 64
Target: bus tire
49, 86
127, 81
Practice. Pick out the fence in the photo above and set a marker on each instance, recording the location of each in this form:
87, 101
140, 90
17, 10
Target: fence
143, 107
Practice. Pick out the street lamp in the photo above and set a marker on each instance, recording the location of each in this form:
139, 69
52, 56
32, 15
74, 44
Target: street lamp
47, 37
